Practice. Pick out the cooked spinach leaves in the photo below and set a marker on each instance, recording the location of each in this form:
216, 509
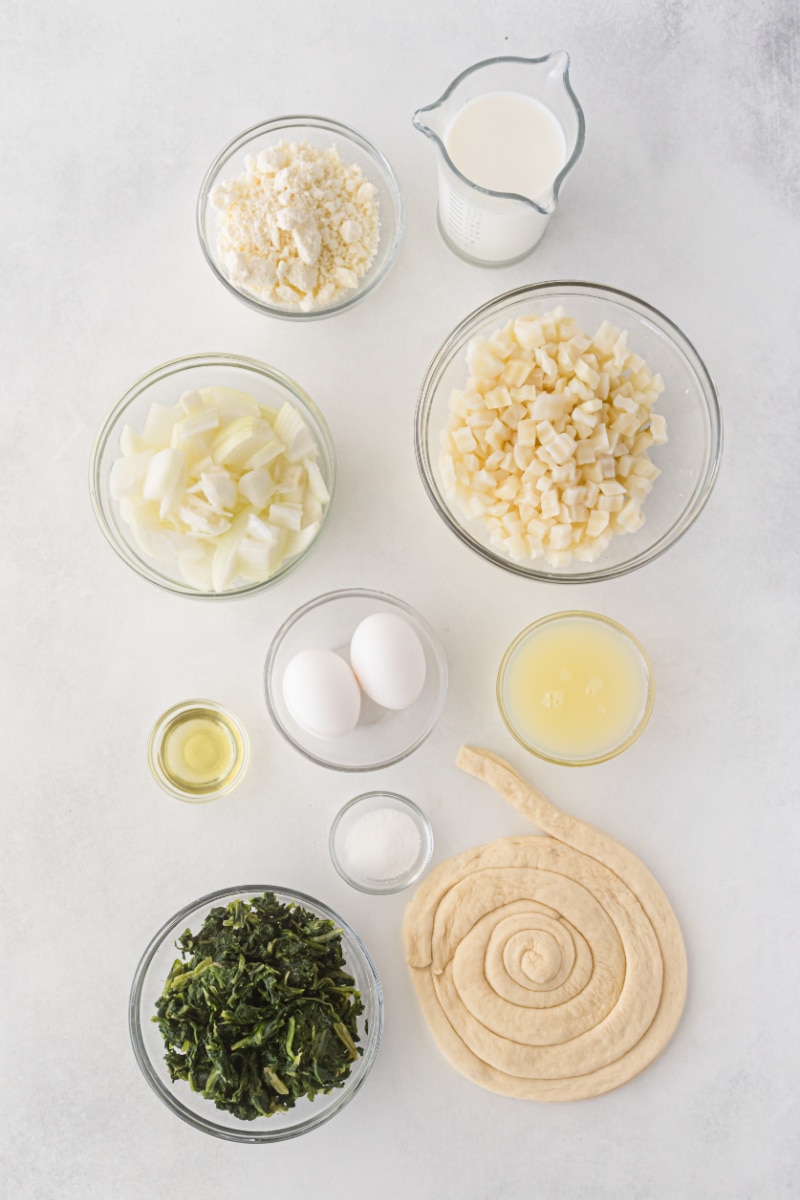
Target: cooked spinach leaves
259, 1011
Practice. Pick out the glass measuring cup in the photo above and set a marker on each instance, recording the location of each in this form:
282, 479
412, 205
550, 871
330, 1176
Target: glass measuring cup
496, 228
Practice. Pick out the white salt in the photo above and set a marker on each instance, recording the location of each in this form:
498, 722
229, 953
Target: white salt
382, 845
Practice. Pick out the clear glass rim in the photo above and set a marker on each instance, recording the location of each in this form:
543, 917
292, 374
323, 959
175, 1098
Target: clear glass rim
402, 881
206, 1125
561, 289
156, 739
565, 170
379, 598
175, 366
313, 122
579, 614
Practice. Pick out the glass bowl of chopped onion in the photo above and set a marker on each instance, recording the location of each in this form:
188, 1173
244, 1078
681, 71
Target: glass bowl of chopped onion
264, 1050
300, 217
212, 477
568, 432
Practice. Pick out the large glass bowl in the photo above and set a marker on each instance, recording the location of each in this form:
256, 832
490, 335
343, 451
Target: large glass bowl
164, 385
196, 1110
353, 148
689, 461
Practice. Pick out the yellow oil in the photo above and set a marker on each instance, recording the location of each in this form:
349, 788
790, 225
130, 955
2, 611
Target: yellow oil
200, 751
576, 688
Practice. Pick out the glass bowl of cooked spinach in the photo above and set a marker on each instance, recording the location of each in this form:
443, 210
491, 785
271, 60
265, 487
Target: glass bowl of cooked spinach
256, 1013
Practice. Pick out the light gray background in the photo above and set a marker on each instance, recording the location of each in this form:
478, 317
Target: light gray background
687, 196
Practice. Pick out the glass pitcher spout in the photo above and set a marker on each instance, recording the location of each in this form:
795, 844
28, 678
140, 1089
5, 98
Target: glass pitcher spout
470, 207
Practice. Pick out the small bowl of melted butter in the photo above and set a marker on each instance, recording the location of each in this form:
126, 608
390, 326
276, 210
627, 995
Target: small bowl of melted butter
198, 751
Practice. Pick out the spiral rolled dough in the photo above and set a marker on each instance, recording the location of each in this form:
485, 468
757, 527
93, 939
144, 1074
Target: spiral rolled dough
548, 967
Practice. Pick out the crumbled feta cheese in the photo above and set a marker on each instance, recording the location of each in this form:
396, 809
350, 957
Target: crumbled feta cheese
298, 227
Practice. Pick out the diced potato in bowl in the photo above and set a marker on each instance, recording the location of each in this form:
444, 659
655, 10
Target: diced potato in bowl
541, 432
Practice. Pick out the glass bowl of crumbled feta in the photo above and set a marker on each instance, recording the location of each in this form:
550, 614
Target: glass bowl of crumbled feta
300, 217
212, 477
568, 432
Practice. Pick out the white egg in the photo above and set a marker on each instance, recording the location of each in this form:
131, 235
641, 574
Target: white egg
388, 660
321, 693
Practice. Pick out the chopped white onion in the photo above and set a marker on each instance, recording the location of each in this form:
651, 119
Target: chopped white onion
294, 433
286, 516
158, 426
223, 567
195, 424
131, 442
128, 474
257, 487
230, 403
220, 486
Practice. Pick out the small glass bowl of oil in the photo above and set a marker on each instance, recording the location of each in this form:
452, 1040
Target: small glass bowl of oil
198, 751
575, 688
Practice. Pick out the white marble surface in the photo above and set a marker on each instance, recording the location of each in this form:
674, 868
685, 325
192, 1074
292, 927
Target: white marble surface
686, 195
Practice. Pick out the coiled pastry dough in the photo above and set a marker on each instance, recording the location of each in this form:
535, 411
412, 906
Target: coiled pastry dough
548, 967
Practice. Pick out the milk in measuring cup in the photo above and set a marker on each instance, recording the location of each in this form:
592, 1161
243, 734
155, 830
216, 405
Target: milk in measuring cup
506, 142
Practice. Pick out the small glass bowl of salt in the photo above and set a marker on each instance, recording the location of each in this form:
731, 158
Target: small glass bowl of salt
380, 842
